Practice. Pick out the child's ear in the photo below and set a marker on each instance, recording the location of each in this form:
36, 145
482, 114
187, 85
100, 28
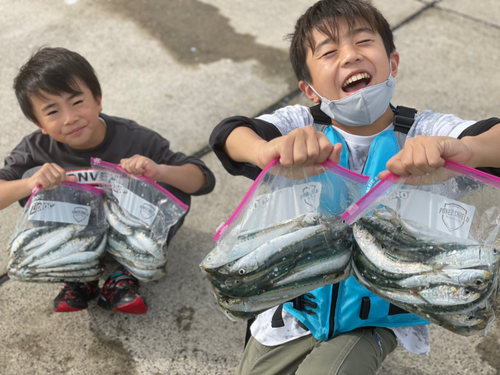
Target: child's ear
98, 100
309, 92
41, 128
394, 63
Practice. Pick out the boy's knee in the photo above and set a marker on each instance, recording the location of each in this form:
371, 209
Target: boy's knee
368, 354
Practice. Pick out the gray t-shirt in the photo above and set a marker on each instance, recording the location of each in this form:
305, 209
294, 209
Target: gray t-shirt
124, 138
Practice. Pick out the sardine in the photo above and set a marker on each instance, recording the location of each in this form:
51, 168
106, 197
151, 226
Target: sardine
462, 277
23, 238
376, 255
116, 223
57, 238
85, 257
251, 239
73, 246
326, 267
141, 240
281, 247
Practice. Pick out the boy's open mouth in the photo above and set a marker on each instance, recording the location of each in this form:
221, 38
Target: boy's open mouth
356, 82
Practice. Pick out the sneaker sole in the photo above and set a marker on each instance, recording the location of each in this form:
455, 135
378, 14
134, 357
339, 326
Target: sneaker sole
64, 307
136, 307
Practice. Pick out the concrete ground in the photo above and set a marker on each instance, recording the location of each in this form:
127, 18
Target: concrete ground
179, 67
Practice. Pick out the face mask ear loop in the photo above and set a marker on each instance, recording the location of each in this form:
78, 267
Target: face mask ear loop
322, 99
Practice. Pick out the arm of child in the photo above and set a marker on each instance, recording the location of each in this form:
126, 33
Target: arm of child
422, 154
48, 176
188, 177
301, 147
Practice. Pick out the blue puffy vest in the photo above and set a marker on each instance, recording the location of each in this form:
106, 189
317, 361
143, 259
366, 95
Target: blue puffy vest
347, 305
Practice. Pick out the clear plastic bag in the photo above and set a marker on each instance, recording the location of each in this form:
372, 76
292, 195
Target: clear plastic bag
140, 213
430, 245
285, 238
60, 236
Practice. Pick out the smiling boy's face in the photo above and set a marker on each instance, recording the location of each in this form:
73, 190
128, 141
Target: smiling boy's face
356, 60
72, 119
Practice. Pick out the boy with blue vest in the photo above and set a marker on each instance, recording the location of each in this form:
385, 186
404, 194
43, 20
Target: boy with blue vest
59, 92
344, 57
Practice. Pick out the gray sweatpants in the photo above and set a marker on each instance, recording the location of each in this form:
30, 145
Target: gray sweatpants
357, 352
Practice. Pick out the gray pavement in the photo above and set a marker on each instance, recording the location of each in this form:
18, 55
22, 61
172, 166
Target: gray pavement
179, 67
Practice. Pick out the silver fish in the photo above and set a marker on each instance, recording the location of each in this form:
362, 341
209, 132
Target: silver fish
329, 266
146, 262
57, 238
73, 246
267, 300
146, 275
249, 240
19, 241
124, 247
141, 240
85, 257
449, 295
260, 255
68, 268
376, 255
468, 257
462, 277
89, 272
116, 223
126, 218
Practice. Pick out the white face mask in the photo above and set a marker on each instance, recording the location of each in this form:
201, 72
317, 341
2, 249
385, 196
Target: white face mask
363, 107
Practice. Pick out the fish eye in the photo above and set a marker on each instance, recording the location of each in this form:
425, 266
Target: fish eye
479, 282
241, 271
467, 291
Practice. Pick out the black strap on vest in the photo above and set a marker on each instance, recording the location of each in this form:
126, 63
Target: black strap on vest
300, 303
364, 311
319, 116
248, 333
277, 320
403, 119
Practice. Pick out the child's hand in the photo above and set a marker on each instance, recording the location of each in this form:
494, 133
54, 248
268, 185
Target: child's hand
140, 165
300, 148
421, 155
50, 175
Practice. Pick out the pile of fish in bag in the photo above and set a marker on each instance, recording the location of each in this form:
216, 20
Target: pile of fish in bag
60, 236
283, 240
280, 262
139, 213
430, 249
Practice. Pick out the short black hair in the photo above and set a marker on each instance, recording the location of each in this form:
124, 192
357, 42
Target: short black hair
54, 71
324, 17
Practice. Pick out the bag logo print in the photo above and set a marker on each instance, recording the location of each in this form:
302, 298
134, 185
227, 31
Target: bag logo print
80, 213
309, 195
40, 206
454, 216
147, 211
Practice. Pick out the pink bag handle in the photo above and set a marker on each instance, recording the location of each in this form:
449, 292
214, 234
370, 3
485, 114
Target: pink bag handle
74, 185
117, 168
357, 209
327, 164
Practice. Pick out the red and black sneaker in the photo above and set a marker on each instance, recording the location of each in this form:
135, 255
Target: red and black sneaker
74, 296
120, 293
